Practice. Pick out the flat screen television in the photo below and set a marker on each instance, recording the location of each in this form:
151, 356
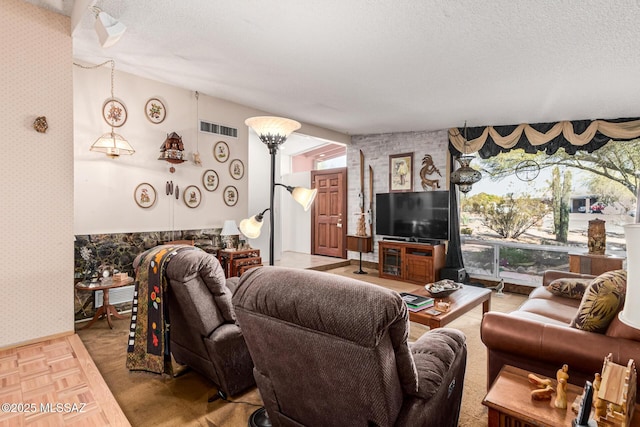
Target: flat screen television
417, 216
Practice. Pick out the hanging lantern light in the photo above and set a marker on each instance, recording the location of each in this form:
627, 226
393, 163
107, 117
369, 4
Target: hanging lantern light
465, 176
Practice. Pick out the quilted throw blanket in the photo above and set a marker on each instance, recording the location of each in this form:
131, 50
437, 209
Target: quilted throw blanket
148, 348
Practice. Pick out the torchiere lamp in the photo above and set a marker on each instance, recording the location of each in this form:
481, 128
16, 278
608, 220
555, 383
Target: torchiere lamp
273, 131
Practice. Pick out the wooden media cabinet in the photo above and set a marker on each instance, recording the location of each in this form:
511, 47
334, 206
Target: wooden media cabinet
418, 263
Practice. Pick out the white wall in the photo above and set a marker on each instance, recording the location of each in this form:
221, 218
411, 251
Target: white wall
36, 262
104, 187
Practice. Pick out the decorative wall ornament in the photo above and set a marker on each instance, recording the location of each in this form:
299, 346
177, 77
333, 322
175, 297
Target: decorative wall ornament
145, 195
527, 170
221, 151
196, 155
429, 168
400, 172
210, 180
114, 112
40, 124
172, 150
155, 111
236, 169
192, 196
230, 195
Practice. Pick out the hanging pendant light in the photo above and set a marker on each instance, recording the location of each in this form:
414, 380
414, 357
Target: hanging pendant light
111, 143
465, 176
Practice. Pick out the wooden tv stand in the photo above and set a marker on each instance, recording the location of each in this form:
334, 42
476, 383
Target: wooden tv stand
418, 263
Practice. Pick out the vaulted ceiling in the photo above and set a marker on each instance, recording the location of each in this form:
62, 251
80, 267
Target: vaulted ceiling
373, 66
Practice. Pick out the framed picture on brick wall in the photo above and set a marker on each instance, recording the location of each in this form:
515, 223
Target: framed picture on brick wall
400, 172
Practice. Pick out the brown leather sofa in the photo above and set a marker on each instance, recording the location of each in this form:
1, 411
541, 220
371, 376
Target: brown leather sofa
538, 337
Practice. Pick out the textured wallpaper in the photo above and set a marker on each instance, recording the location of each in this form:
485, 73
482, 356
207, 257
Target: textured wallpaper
36, 196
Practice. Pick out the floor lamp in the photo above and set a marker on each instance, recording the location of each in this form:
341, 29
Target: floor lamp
273, 132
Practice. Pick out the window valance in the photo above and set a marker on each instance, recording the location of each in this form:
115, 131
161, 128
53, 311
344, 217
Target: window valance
577, 135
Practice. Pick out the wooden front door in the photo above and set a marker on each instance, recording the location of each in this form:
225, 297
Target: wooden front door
329, 225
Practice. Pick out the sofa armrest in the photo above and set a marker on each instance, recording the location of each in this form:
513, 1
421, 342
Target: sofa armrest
529, 339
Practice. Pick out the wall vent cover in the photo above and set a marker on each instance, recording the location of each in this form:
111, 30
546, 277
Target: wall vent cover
208, 127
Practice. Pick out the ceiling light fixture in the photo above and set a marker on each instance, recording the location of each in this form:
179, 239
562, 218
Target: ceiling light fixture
108, 28
112, 144
465, 176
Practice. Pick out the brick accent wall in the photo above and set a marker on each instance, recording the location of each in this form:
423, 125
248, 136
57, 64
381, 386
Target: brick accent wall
377, 149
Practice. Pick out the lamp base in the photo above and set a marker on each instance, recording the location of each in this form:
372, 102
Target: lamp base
259, 418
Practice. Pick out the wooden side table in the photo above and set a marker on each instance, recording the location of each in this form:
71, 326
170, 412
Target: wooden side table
107, 309
510, 404
593, 264
231, 260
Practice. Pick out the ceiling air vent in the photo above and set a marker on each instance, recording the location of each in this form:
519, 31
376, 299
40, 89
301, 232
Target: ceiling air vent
208, 127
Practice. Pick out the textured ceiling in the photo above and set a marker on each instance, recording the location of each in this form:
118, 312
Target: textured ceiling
371, 66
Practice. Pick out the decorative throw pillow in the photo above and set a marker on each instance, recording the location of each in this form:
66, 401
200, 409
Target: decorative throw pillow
569, 287
601, 301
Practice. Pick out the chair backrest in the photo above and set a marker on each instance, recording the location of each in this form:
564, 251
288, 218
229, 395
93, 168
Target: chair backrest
198, 294
326, 348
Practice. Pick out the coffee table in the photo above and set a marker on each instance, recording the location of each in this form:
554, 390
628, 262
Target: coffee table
460, 302
510, 404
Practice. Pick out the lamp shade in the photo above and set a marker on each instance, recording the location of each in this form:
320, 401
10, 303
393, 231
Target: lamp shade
229, 228
113, 145
304, 196
108, 29
272, 130
251, 227
630, 314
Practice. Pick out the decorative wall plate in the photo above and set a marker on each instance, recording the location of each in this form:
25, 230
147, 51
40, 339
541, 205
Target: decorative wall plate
192, 196
221, 151
145, 195
155, 111
236, 169
114, 112
210, 180
230, 195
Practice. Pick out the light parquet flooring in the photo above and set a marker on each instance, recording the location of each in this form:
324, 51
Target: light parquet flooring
55, 383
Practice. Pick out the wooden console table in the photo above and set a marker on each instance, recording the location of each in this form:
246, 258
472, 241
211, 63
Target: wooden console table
418, 263
234, 263
107, 310
593, 264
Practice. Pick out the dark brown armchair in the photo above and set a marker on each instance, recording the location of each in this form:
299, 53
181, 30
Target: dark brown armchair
332, 351
203, 329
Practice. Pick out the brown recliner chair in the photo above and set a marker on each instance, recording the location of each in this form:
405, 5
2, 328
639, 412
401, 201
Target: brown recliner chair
332, 351
203, 331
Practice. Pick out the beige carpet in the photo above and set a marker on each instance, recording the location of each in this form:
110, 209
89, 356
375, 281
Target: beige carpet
152, 400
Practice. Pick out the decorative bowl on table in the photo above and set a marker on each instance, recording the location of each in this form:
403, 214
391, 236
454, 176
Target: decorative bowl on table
442, 288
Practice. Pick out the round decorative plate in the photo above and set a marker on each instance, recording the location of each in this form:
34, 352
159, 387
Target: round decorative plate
114, 112
236, 169
527, 170
221, 151
154, 111
210, 180
192, 196
145, 195
230, 195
